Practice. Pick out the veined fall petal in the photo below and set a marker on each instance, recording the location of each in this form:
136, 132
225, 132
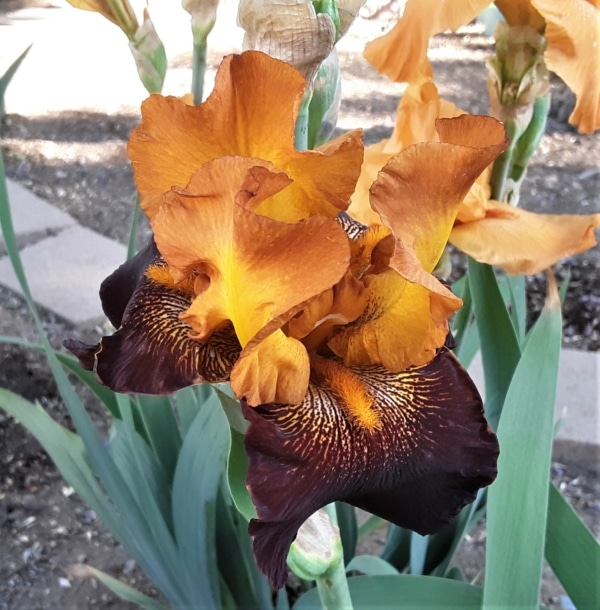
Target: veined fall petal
251, 112
248, 269
152, 352
519, 241
426, 458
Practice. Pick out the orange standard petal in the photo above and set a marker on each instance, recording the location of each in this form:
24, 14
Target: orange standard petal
417, 112
401, 54
519, 241
251, 112
249, 269
573, 35
417, 195
404, 324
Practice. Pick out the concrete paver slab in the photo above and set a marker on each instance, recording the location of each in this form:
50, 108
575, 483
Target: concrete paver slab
65, 272
577, 404
33, 217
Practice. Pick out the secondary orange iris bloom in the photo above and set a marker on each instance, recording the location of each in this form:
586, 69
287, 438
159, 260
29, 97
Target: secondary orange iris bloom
331, 334
120, 13
571, 28
490, 231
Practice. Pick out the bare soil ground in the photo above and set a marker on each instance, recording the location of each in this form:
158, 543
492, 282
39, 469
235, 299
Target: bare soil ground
77, 161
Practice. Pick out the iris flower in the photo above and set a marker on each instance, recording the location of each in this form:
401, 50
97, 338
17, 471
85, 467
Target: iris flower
490, 231
119, 12
332, 335
571, 29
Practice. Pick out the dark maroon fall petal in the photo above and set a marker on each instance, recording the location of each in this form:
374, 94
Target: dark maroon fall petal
430, 455
118, 288
152, 353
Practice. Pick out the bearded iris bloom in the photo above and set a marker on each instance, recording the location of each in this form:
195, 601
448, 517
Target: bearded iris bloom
571, 29
332, 334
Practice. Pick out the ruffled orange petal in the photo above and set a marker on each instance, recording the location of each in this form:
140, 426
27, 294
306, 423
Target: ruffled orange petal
248, 269
404, 324
339, 306
524, 242
401, 54
573, 34
251, 112
417, 112
476, 201
418, 193
276, 369
520, 12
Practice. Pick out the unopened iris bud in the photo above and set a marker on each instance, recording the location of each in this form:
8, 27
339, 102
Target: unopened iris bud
329, 7
204, 15
300, 32
317, 548
288, 30
517, 76
150, 57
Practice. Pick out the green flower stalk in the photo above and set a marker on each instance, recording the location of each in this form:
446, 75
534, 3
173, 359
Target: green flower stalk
204, 16
317, 555
518, 85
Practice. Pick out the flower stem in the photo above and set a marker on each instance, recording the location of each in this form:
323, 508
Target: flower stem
301, 129
198, 69
333, 585
503, 164
509, 169
333, 589
135, 221
531, 138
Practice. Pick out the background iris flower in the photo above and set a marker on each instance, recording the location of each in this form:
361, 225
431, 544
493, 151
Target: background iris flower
570, 27
489, 231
